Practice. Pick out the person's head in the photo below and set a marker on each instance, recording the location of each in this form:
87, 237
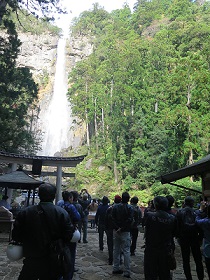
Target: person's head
47, 192
75, 195
189, 201
105, 200
67, 195
160, 202
170, 201
5, 197
117, 198
94, 201
85, 196
135, 200
125, 197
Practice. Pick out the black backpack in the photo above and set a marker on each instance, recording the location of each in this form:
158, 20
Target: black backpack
137, 216
188, 220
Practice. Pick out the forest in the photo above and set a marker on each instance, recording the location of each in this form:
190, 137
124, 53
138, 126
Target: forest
143, 94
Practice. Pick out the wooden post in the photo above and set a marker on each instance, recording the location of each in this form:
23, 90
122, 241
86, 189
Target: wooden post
58, 183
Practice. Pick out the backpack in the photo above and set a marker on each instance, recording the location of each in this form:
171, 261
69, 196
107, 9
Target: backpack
137, 217
188, 220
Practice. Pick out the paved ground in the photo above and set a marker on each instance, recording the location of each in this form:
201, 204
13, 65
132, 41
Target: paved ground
91, 263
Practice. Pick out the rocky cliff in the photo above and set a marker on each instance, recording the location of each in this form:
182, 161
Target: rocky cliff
38, 52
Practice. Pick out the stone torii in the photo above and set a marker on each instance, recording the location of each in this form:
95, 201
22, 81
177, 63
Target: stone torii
38, 161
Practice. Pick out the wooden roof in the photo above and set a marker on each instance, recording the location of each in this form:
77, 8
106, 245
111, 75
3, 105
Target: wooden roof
19, 180
198, 169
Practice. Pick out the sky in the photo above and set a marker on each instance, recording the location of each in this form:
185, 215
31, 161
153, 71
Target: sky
78, 6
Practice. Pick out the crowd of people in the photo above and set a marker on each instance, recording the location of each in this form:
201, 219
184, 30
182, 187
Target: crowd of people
121, 221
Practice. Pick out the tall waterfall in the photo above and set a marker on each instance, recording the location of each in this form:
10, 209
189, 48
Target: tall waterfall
56, 120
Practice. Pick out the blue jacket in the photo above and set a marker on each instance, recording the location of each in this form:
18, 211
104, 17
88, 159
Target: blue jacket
204, 224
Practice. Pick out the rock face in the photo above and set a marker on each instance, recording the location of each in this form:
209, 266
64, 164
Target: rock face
38, 52
78, 49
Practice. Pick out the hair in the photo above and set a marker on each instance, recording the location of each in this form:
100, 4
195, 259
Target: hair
47, 192
161, 203
94, 200
170, 200
135, 200
66, 195
75, 195
105, 200
125, 197
189, 201
85, 196
117, 199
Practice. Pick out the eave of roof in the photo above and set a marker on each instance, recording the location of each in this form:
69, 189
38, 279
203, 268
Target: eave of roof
19, 180
46, 161
198, 168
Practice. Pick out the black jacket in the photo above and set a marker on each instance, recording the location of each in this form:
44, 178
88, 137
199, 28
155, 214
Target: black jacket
32, 230
122, 217
160, 229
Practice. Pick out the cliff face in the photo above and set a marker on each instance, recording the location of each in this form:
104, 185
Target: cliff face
38, 52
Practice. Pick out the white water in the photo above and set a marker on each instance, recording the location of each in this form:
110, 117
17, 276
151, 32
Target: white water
57, 118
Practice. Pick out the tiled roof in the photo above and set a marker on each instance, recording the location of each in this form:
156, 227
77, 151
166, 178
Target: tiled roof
46, 160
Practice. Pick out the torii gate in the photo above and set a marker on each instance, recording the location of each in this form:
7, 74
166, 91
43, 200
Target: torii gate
38, 161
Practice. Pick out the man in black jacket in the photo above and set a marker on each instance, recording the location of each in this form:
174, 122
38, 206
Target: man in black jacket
190, 238
36, 227
122, 218
160, 229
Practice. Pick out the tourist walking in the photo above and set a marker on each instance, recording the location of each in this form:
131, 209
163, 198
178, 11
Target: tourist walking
122, 217
36, 227
159, 230
109, 228
190, 238
84, 199
100, 220
203, 221
92, 208
137, 220
75, 218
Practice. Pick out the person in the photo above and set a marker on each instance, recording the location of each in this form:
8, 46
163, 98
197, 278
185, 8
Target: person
136, 222
203, 221
84, 199
189, 237
122, 217
100, 220
75, 218
5, 203
92, 207
160, 228
36, 237
109, 228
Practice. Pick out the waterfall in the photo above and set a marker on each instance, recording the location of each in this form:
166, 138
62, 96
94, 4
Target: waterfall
56, 120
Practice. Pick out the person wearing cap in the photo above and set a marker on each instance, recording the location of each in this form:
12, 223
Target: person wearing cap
38, 226
100, 220
109, 228
5, 203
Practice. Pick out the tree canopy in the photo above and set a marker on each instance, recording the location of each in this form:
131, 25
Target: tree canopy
144, 91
